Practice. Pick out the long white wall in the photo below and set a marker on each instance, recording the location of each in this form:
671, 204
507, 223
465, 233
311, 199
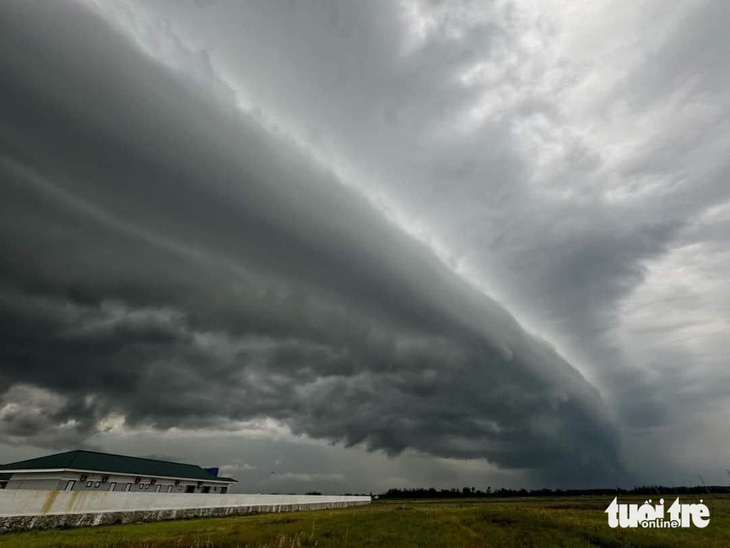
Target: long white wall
20, 502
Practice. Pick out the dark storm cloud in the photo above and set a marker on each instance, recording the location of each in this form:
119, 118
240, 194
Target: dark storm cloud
166, 258
590, 198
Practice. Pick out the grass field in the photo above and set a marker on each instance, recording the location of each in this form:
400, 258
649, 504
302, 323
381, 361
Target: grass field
576, 521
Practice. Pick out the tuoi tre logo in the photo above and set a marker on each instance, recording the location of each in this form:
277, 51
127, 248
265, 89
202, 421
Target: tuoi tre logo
648, 516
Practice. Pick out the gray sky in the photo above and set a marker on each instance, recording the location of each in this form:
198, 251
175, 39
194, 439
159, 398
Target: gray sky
359, 245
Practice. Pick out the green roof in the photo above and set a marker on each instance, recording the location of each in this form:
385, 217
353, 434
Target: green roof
94, 461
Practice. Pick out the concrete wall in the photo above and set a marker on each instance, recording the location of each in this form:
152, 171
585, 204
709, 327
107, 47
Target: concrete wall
31, 509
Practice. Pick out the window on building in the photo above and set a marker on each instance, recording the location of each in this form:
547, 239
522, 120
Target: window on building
206, 489
97, 484
112, 486
169, 488
157, 489
88, 484
190, 488
128, 487
224, 490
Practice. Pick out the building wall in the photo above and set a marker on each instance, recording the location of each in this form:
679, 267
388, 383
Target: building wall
111, 482
40, 480
29, 509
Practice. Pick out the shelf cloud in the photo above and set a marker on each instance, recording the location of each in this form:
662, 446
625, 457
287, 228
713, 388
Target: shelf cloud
204, 224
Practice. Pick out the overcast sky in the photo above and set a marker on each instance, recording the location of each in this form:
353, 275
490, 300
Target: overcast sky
346, 246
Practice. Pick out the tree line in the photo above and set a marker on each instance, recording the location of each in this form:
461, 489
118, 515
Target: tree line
472, 492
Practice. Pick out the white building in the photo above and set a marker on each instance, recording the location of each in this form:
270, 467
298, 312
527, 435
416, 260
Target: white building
94, 471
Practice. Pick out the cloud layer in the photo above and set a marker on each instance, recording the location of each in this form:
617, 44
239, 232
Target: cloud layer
170, 260
223, 212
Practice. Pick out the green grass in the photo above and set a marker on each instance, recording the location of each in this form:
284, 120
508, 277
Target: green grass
570, 522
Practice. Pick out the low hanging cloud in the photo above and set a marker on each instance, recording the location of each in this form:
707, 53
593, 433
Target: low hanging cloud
167, 258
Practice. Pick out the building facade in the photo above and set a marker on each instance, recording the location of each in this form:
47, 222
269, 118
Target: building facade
94, 471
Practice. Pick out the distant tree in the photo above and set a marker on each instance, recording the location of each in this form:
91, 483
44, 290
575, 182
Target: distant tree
452, 493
